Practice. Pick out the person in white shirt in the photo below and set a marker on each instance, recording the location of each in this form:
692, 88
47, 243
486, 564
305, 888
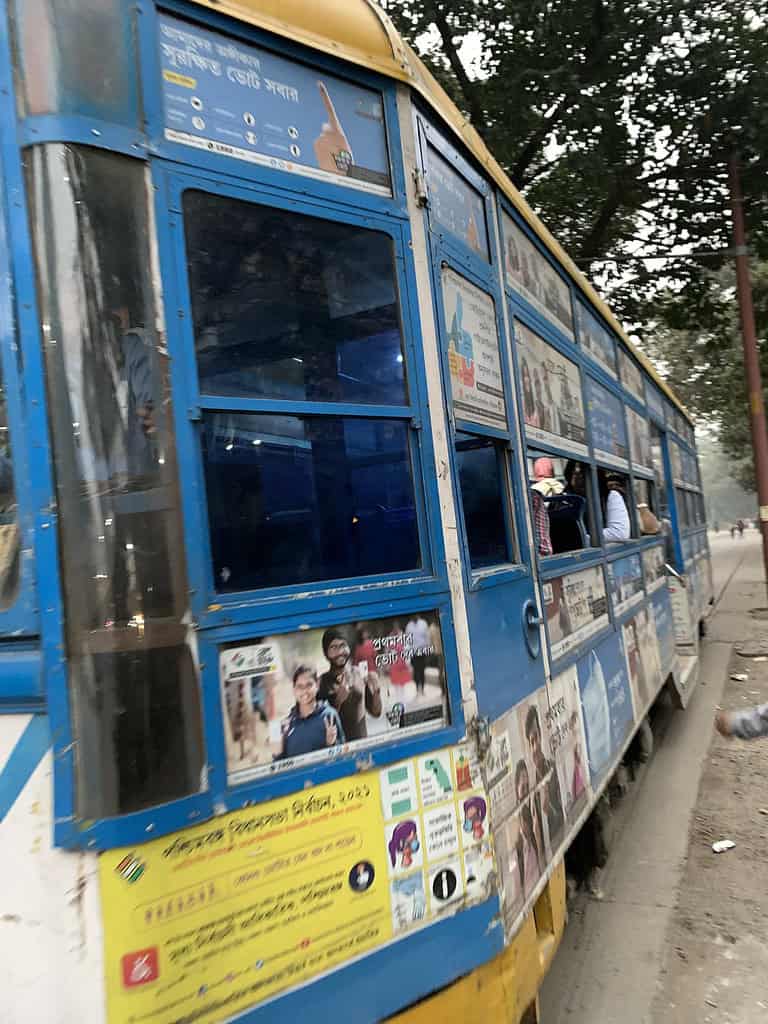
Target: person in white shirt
617, 528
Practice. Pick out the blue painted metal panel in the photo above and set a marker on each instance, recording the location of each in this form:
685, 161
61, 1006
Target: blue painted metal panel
494, 599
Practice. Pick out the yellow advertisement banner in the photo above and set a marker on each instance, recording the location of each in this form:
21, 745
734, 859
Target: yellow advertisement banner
215, 919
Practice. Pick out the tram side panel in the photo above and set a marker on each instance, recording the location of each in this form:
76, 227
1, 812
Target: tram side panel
51, 918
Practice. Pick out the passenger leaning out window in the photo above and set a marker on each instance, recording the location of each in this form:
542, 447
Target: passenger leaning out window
617, 527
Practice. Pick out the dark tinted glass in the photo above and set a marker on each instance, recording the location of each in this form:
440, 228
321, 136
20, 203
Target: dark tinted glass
136, 700
483, 499
300, 499
9, 520
292, 307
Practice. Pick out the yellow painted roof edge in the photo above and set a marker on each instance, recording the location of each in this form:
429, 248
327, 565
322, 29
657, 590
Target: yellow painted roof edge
374, 43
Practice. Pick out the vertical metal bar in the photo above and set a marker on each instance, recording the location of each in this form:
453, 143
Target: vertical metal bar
751, 360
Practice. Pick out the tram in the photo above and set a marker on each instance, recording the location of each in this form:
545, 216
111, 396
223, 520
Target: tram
346, 539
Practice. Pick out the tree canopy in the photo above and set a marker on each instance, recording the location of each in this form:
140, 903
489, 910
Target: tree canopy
616, 120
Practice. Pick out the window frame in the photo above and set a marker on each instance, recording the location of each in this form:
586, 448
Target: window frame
216, 607
21, 686
446, 250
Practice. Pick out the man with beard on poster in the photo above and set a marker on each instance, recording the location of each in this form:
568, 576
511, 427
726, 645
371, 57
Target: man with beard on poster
343, 686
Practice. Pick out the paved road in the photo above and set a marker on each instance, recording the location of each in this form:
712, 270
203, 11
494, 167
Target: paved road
608, 968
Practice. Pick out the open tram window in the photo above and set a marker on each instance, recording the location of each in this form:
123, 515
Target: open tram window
616, 505
561, 509
484, 484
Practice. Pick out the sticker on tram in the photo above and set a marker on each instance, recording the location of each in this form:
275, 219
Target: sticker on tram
641, 648
625, 583
606, 420
232, 912
474, 361
654, 567
606, 701
304, 697
240, 101
531, 274
551, 389
539, 786
576, 607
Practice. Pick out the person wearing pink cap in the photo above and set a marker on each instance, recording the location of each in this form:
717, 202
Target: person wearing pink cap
546, 485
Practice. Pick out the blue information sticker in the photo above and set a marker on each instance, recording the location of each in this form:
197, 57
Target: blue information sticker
606, 701
246, 103
606, 418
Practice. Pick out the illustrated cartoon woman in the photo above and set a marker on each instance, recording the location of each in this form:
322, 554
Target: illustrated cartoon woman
474, 816
404, 843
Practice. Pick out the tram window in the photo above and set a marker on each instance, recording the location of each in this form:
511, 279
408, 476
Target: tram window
298, 499
292, 307
136, 697
9, 524
659, 476
682, 508
484, 496
561, 510
618, 518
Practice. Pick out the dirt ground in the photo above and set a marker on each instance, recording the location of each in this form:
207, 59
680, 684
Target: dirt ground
715, 967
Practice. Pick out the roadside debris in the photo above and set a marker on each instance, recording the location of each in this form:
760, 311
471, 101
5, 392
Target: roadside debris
722, 845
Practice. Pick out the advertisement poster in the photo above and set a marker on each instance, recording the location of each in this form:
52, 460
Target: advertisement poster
625, 583
530, 273
206, 922
551, 391
639, 442
631, 375
596, 340
576, 607
240, 101
474, 360
654, 568
606, 701
527, 803
665, 631
679, 596
654, 401
455, 205
606, 419
304, 697
566, 737
641, 648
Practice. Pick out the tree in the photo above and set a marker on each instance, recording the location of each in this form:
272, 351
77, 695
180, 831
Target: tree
616, 120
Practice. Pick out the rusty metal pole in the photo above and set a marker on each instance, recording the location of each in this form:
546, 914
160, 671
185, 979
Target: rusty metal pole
751, 360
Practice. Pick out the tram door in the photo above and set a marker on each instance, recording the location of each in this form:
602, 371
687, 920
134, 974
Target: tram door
504, 623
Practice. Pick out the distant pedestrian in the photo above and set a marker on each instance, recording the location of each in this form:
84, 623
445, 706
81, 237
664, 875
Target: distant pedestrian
746, 724
740, 528
733, 531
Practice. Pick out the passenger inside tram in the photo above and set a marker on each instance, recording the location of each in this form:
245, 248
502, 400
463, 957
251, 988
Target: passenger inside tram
613, 497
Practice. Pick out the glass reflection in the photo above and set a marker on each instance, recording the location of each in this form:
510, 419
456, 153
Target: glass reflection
480, 462
290, 306
295, 499
135, 694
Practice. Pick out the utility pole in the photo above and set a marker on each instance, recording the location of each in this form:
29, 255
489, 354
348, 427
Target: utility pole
751, 360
